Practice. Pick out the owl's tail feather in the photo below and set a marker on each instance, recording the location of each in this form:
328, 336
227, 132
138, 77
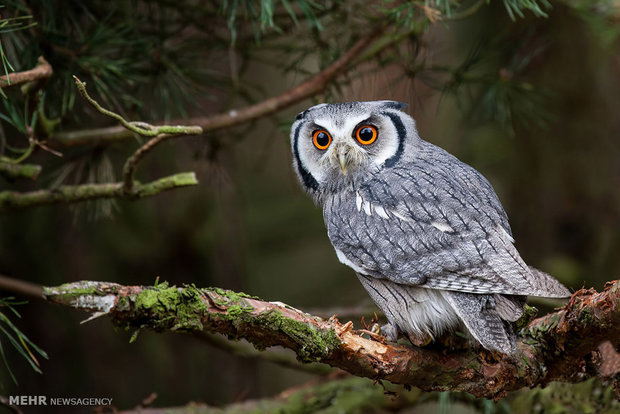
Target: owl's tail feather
547, 285
509, 307
482, 320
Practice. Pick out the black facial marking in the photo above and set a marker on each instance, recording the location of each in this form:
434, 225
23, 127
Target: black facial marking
309, 180
402, 136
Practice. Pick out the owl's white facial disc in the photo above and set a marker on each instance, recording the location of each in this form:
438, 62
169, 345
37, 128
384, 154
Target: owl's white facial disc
341, 153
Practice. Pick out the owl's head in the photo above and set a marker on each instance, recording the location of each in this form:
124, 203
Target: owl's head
338, 144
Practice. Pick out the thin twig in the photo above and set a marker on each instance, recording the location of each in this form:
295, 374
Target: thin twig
138, 127
21, 287
156, 133
42, 70
129, 168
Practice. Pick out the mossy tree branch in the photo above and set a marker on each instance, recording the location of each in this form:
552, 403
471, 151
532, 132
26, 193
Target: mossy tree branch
557, 347
12, 200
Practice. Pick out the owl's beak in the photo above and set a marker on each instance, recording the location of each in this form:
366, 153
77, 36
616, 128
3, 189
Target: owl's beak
342, 160
343, 154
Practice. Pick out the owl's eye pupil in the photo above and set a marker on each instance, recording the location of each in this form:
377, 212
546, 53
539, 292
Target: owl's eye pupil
366, 134
322, 139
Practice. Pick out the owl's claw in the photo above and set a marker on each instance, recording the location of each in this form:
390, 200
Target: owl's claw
420, 340
390, 331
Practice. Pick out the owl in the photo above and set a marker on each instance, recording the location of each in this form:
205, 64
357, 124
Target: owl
424, 232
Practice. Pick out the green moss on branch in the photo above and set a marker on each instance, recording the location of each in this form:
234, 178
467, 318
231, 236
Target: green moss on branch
557, 347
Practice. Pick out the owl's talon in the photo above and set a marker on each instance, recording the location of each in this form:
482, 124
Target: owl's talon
390, 332
420, 340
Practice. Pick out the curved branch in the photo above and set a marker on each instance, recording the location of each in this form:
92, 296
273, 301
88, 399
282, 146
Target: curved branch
129, 169
11, 200
557, 347
42, 70
304, 90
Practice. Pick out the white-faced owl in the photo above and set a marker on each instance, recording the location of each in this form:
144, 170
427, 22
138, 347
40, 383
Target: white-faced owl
424, 232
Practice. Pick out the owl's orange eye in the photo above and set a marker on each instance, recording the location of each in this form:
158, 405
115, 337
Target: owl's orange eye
321, 139
366, 134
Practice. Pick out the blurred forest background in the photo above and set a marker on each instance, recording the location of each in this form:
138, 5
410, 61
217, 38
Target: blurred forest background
526, 91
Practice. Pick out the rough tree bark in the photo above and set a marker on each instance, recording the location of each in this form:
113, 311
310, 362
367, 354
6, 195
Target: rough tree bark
561, 346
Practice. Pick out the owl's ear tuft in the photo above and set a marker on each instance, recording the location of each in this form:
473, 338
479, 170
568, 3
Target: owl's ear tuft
393, 104
301, 115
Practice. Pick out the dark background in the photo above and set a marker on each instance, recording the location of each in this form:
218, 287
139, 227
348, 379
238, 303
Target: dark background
553, 158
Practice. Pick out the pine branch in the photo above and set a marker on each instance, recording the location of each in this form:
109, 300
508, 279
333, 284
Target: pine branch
42, 70
11, 200
304, 90
557, 347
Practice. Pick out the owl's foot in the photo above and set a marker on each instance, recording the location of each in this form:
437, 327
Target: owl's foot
390, 331
419, 340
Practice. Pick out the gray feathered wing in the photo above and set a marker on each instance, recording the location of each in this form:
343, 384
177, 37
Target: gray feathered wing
435, 223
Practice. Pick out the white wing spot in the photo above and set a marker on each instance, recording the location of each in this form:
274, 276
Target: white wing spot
344, 260
381, 212
445, 227
400, 216
368, 208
